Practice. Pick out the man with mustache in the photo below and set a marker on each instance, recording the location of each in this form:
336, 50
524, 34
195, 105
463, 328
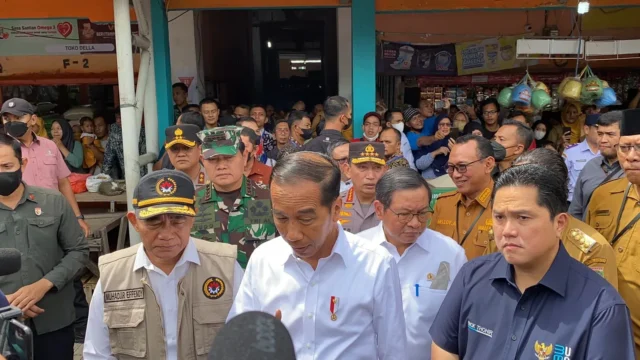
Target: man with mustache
531, 298
614, 212
366, 166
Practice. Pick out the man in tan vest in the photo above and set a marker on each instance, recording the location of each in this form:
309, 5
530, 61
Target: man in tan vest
172, 289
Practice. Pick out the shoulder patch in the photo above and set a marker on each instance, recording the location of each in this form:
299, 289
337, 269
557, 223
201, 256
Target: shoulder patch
571, 146
614, 186
584, 242
448, 194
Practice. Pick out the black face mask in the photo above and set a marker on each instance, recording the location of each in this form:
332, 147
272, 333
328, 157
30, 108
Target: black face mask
16, 128
306, 133
499, 151
9, 182
349, 123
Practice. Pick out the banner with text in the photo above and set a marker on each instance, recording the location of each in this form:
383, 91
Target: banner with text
412, 60
487, 55
57, 37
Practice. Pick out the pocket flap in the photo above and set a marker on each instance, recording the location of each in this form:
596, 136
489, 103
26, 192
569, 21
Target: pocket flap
208, 315
3, 227
42, 221
123, 318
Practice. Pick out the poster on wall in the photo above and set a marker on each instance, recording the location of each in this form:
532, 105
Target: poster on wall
488, 55
411, 60
57, 37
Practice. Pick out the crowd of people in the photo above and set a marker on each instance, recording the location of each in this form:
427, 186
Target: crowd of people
533, 255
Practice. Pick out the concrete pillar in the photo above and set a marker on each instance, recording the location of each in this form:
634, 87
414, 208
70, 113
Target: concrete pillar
162, 66
186, 57
345, 89
363, 38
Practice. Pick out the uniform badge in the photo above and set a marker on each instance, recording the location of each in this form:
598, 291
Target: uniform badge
430, 276
38, 211
201, 178
543, 351
213, 288
11, 104
32, 197
333, 307
166, 186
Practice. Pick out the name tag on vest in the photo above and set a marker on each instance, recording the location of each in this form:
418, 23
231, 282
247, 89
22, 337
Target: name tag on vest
123, 295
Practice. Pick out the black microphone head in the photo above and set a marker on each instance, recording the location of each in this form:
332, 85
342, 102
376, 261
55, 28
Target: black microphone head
10, 261
253, 336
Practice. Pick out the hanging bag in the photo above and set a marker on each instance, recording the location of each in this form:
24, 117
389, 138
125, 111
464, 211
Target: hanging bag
592, 87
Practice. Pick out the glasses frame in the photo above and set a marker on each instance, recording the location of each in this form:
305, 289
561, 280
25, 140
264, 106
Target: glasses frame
428, 213
461, 169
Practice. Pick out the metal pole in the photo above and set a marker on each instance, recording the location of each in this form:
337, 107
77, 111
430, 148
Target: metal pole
126, 85
150, 104
141, 86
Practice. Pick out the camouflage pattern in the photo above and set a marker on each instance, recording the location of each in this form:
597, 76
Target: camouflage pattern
397, 161
248, 224
220, 141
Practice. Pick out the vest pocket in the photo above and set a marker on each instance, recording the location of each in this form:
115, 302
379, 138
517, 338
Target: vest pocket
127, 335
207, 321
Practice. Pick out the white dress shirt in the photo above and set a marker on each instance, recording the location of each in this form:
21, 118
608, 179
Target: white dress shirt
96, 343
419, 265
362, 276
405, 147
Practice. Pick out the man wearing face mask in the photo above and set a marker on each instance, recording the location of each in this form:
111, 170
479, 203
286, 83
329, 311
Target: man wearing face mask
41, 224
395, 119
516, 138
577, 155
301, 132
337, 114
371, 127
47, 169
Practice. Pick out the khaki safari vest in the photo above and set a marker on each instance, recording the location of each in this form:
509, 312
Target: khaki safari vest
134, 317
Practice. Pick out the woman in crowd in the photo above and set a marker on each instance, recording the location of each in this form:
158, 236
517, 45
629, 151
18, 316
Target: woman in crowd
39, 128
71, 150
540, 133
432, 160
460, 121
569, 131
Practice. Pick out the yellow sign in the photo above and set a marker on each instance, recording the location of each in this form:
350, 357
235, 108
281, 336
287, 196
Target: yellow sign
487, 55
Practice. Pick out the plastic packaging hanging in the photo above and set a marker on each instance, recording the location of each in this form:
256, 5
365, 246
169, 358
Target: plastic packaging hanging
504, 98
608, 98
521, 94
592, 87
540, 99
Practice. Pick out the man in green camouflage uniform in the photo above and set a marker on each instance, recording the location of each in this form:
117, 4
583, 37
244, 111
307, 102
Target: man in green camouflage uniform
231, 208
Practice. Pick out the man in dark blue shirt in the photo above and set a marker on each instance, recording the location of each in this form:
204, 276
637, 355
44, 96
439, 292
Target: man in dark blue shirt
531, 300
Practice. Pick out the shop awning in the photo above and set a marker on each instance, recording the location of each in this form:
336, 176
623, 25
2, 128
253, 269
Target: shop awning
102, 10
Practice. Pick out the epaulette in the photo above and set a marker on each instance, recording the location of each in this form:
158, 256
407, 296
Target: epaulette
584, 242
571, 146
448, 194
609, 184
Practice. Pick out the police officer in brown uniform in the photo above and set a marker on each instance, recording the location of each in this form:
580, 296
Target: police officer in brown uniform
183, 147
366, 166
581, 241
465, 215
164, 299
614, 210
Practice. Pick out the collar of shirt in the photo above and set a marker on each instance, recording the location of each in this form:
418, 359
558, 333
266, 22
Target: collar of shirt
341, 247
584, 147
606, 166
381, 239
190, 254
483, 199
330, 132
555, 278
294, 142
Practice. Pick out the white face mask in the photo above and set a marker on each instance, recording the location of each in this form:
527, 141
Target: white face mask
539, 134
398, 126
370, 139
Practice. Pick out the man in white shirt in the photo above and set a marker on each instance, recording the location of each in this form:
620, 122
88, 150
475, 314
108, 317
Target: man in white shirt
394, 118
338, 294
168, 297
427, 260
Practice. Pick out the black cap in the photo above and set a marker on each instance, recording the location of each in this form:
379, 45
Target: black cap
592, 119
362, 152
164, 192
185, 134
18, 107
630, 124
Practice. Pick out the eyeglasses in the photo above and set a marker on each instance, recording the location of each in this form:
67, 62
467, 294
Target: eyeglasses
405, 218
627, 148
492, 112
341, 161
460, 168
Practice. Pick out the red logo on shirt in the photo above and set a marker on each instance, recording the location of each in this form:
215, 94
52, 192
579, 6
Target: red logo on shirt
213, 288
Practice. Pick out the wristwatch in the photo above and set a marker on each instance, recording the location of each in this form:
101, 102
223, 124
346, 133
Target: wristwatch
80, 217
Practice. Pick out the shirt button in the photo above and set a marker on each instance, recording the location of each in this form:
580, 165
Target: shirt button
310, 315
17, 232
522, 308
464, 233
513, 337
468, 214
620, 249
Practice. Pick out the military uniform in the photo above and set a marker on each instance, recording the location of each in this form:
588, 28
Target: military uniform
248, 222
353, 217
614, 210
397, 161
470, 226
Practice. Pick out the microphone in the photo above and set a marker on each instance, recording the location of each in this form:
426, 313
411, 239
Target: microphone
10, 261
253, 336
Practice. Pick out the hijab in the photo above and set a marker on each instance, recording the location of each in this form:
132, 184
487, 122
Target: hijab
439, 164
576, 127
67, 134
